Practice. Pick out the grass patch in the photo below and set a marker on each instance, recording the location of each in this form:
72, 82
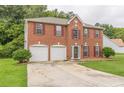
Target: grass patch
119, 53
12, 74
114, 66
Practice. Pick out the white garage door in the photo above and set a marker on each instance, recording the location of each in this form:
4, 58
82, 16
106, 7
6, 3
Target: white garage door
58, 52
39, 53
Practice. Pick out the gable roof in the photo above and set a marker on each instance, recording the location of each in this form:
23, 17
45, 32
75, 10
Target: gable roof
119, 42
61, 21
76, 16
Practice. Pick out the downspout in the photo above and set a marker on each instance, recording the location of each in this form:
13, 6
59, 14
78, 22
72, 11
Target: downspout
26, 35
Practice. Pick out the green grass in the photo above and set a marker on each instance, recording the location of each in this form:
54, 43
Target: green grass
12, 74
115, 66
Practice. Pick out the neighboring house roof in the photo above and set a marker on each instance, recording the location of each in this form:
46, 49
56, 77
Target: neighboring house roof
61, 21
119, 42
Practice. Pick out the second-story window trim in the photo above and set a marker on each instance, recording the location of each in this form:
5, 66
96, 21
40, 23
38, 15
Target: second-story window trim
75, 33
39, 28
97, 33
58, 30
86, 32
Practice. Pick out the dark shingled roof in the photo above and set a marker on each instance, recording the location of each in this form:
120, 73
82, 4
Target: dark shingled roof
61, 21
52, 20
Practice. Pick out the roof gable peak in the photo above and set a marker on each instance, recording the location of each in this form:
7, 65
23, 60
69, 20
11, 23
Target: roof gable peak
76, 16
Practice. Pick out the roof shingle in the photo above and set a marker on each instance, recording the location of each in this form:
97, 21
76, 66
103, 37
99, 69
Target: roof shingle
61, 21
52, 20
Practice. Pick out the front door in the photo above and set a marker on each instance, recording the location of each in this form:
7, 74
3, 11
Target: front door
75, 51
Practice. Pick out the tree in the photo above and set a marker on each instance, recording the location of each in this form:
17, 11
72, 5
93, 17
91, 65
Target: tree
108, 29
56, 13
12, 24
15, 44
119, 33
34, 10
12, 13
97, 24
3, 34
7, 34
70, 14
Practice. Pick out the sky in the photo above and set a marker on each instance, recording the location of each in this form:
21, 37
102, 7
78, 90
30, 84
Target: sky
92, 14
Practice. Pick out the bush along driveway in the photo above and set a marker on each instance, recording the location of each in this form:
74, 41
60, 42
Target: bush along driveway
12, 74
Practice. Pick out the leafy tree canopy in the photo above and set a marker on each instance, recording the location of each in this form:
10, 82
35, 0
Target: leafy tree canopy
112, 32
12, 24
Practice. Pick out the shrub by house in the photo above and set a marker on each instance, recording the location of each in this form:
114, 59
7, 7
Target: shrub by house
21, 55
107, 52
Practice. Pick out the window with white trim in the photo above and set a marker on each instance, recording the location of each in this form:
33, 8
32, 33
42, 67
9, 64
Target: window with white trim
85, 50
58, 30
39, 28
97, 32
75, 33
85, 32
97, 51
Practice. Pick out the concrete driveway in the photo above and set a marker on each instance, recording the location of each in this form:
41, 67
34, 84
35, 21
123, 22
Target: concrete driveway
69, 75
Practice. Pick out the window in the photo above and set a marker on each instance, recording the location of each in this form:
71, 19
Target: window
75, 33
58, 30
97, 33
39, 28
86, 32
97, 51
85, 51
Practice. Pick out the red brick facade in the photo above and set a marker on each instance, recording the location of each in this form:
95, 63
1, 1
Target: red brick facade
49, 38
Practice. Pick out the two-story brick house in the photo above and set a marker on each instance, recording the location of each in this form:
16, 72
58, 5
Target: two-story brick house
50, 38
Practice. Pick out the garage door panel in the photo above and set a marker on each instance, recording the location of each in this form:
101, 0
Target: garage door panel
39, 53
58, 53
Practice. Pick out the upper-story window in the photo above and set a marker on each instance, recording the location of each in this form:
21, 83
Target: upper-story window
58, 30
97, 32
39, 28
75, 33
86, 32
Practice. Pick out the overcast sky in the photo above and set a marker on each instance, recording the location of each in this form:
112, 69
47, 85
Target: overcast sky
92, 14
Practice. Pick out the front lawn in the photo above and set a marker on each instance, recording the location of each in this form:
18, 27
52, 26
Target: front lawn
12, 74
114, 66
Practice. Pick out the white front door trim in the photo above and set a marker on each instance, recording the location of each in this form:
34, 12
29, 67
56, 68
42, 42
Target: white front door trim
72, 52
